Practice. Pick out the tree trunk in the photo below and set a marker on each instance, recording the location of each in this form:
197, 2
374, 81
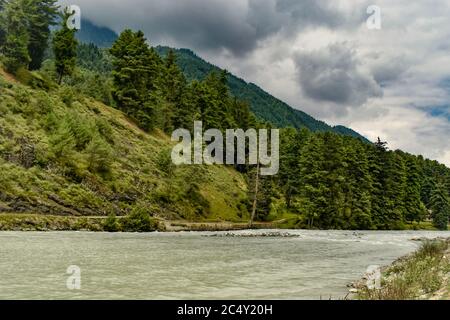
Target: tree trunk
255, 200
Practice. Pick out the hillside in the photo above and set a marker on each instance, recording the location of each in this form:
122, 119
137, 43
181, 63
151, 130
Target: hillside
263, 105
100, 36
67, 155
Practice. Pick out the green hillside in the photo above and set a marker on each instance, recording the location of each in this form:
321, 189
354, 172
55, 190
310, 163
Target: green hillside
64, 154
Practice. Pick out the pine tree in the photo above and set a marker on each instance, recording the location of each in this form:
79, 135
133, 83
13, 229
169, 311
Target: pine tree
312, 201
216, 111
414, 208
440, 206
65, 49
41, 14
174, 91
135, 76
2, 23
15, 47
358, 187
292, 142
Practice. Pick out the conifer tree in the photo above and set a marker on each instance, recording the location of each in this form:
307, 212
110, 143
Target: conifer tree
15, 47
65, 49
2, 23
440, 206
135, 75
41, 15
414, 208
174, 91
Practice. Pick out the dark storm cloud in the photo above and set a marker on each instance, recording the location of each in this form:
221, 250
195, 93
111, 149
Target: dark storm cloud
312, 12
333, 75
235, 25
387, 70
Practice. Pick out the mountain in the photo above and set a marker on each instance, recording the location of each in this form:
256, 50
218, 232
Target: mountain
100, 36
264, 105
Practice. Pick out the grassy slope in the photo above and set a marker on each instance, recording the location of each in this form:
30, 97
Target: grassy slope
39, 180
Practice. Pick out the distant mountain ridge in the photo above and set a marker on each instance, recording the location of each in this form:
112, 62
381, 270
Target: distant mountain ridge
102, 37
265, 106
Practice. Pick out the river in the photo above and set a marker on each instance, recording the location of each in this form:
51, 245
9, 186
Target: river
313, 265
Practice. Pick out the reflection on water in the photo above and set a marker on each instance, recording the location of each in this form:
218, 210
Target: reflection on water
194, 265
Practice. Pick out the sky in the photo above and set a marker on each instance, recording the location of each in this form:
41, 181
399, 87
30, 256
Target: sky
318, 56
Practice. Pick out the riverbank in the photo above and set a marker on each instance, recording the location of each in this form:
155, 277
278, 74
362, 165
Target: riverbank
39, 222
36, 222
423, 275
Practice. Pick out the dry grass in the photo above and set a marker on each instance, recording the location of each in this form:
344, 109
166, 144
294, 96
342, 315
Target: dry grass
419, 276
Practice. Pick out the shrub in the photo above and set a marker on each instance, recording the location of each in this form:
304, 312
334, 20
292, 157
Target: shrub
67, 95
164, 163
44, 104
139, 221
111, 224
99, 156
24, 76
105, 130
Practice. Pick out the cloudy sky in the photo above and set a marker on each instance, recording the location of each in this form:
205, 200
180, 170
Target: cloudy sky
319, 56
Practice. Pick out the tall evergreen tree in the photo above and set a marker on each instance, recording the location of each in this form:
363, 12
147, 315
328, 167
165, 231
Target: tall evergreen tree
174, 91
414, 208
2, 23
41, 15
65, 49
440, 206
135, 76
15, 47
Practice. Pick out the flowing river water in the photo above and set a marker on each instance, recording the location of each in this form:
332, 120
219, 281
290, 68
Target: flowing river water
204, 265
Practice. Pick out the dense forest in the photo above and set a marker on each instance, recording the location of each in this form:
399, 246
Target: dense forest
327, 179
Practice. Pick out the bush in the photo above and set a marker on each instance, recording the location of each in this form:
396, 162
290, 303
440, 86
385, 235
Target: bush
24, 76
99, 156
164, 163
139, 221
67, 95
105, 130
111, 224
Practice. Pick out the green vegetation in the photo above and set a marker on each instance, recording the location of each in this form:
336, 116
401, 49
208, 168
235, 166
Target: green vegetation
263, 105
423, 275
79, 142
65, 49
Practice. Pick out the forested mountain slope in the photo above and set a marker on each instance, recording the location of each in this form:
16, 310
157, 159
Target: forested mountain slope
264, 106
84, 132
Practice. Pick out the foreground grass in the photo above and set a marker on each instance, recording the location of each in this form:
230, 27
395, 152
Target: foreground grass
422, 275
